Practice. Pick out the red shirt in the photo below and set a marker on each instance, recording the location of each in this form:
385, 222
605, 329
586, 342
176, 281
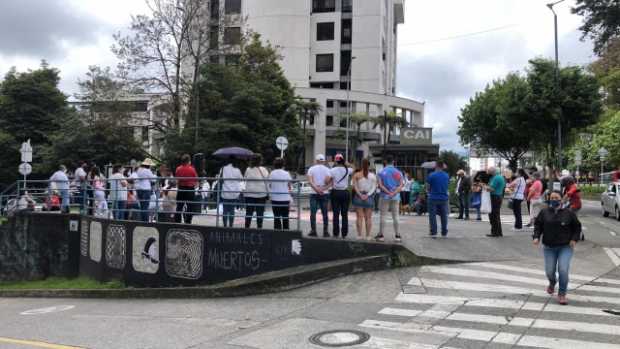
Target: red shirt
189, 172
574, 196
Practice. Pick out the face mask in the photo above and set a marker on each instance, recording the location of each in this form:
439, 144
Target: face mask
555, 204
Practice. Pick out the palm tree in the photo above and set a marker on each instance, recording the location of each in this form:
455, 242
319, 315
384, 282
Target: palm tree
390, 121
357, 119
306, 110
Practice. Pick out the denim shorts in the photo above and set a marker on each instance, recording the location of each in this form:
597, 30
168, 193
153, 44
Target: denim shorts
368, 203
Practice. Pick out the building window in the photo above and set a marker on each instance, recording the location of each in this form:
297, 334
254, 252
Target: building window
233, 6
345, 62
214, 38
325, 63
322, 85
343, 122
215, 9
347, 5
346, 35
311, 119
343, 104
232, 36
344, 85
325, 31
329, 120
323, 5
232, 59
145, 134
330, 104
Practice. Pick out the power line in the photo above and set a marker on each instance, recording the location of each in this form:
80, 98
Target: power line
460, 36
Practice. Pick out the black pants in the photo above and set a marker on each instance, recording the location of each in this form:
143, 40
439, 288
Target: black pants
186, 197
516, 209
258, 205
280, 214
340, 208
464, 205
494, 218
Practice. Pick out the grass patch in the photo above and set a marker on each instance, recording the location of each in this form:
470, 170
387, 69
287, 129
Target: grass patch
56, 283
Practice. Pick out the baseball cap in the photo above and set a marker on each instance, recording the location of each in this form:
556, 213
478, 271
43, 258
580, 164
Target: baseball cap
339, 157
320, 157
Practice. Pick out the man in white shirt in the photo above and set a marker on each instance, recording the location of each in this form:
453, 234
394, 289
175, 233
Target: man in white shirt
60, 182
80, 182
319, 177
143, 187
230, 179
340, 197
118, 193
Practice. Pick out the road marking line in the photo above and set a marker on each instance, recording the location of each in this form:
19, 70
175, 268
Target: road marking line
613, 233
495, 337
603, 289
478, 318
35, 344
400, 312
527, 270
481, 287
612, 255
501, 304
485, 275
379, 342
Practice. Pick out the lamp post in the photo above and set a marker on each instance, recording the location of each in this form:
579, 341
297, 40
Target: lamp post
557, 79
602, 153
346, 156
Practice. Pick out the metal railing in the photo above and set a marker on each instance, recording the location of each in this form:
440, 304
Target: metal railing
161, 199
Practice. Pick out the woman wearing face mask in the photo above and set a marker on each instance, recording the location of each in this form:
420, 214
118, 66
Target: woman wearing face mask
560, 229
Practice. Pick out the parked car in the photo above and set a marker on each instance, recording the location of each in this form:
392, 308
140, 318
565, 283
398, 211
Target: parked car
304, 188
610, 200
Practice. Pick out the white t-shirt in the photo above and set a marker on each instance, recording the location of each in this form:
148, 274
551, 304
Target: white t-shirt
80, 176
320, 176
256, 186
145, 176
341, 176
59, 180
232, 182
203, 191
117, 190
279, 190
367, 185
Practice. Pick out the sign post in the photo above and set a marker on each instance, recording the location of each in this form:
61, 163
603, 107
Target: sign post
578, 160
26, 156
282, 144
602, 153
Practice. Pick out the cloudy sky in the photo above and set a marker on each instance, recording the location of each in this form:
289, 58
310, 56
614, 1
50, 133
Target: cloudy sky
439, 61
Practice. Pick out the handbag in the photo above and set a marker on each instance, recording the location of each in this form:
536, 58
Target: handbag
485, 202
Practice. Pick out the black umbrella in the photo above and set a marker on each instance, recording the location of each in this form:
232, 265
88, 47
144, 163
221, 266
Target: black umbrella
237, 152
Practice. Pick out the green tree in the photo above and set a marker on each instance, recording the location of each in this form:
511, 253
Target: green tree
496, 119
453, 161
389, 122
306, 110
248, 105
601, 21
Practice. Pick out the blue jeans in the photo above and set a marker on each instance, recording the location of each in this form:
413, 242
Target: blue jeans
557, 259
438, 207
66, 200
120, 209
144, 197
318, 202
229, 211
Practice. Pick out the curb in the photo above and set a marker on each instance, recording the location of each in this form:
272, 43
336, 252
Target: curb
270, 282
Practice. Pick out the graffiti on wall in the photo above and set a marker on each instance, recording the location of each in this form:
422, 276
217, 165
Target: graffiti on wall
84, 238
184, 253
145, 253
115, 246
95, 241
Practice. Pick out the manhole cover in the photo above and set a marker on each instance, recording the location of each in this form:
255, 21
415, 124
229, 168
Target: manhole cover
339, 338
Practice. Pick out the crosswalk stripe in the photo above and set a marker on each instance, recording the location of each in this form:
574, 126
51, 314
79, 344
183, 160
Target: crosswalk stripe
613, 256
604, 289
380, 343
400, 312
498, 266
482, 287
484, 275
478, 318
492, 336
500, 303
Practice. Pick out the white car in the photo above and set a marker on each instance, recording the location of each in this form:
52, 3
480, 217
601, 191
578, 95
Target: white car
303, 188
610, 200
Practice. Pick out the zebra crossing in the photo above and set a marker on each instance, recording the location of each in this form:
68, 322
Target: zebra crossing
476, 305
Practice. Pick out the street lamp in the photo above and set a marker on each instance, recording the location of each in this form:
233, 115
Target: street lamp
346, 156
557, 78
602, 153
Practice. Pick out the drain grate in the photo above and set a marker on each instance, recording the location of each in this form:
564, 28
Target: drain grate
339, 338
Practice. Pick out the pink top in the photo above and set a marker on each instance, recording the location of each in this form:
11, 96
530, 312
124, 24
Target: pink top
536, 190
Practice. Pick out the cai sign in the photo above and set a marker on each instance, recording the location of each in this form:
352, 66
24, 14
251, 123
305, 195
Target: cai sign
416, 136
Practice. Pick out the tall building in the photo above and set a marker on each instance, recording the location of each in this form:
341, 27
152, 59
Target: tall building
341, 54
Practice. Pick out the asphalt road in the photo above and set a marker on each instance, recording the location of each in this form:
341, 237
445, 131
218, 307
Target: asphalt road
497, 302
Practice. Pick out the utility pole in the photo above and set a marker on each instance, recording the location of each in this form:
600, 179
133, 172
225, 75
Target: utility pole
557, 80
346, 156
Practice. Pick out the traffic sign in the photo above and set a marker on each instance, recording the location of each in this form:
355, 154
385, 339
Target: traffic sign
25, 169
602, 153
26, 151
282, 143
578, 157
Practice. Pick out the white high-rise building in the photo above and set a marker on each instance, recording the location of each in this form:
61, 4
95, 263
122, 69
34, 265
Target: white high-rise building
320, 40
